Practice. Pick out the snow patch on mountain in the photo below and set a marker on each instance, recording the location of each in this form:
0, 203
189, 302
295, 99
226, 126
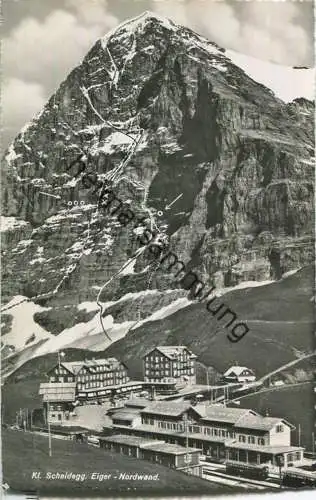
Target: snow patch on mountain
75, 333
11, 223
286, 82
136, 24
23, 326
165, 311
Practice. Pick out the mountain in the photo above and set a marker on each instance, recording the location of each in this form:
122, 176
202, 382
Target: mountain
163, 114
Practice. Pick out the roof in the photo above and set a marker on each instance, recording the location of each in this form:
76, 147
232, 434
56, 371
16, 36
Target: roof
169, 432
220, 413
172, 351
236, 370
108, 362
124, 415
137, 403
118, 387
73, 366
58, 391
173, 449
130, 440
260, 423
273, 449
170, 408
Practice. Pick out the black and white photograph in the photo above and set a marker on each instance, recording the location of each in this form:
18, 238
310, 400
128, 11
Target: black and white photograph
158, 248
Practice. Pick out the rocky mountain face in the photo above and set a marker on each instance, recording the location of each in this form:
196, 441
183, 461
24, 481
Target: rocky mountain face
159, 112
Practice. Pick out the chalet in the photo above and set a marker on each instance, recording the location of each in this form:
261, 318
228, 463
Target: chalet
223, 433
240, 374
175, 364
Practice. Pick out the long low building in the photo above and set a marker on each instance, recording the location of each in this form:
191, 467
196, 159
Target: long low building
174, 456
222, 433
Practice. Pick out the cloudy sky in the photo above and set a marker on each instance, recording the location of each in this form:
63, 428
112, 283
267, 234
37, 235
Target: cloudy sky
45, 39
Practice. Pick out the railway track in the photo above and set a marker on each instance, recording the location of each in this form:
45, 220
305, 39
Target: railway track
213, 475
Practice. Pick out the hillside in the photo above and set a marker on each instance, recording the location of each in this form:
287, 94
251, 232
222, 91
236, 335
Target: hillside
278, 316
282, 401
81, 458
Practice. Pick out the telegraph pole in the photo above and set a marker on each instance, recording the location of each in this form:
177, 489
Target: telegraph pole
299, 434
49, 433
185, 418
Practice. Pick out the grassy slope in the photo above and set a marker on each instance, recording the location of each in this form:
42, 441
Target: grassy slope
69, 456
280, 317
296, 403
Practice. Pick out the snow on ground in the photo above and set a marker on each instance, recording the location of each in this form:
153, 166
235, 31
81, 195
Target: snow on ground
11, 223
137, 23
166, 311
240, 286
87, 306
286, 82
116, 140
289, 273
87, 335
75, 334
129, 269
23, 324
99, 341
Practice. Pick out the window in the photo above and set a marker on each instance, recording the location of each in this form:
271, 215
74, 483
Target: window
290, 457
251, 440
297, 455
261, 441
242, 438
279, 428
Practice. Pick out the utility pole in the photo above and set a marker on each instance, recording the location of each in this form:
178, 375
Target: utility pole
299, 434
49, 433
313, 443
185, 417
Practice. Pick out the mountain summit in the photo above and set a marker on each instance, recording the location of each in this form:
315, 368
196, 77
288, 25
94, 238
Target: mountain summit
164, 115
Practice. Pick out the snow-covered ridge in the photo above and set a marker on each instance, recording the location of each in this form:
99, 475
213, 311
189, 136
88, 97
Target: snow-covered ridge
137, 23
286, 82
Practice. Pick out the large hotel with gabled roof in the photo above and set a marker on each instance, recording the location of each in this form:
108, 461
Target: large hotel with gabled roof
174, 364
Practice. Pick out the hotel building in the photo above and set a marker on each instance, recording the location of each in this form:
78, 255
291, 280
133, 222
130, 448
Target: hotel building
175, 364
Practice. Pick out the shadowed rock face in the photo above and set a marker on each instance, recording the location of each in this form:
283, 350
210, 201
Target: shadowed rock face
240, 156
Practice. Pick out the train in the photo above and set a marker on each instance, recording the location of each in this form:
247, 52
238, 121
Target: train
299, 478
251, 471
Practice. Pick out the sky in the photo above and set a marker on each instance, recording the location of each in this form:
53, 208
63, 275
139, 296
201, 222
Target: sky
45, 39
